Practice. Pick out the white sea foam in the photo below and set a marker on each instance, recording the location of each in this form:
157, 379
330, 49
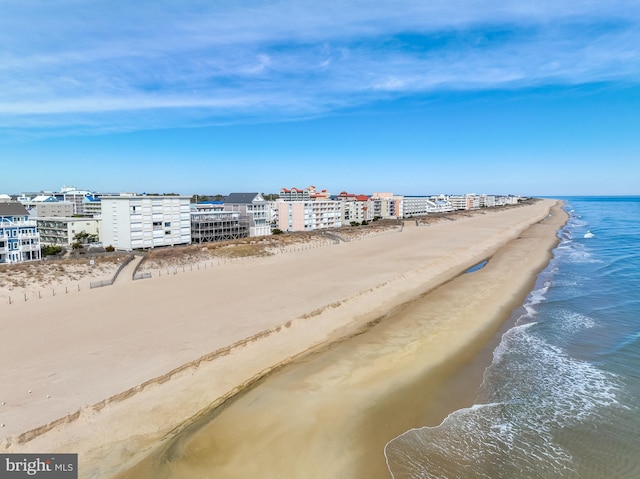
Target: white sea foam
576, 253
538, 295
572, 321
532, 390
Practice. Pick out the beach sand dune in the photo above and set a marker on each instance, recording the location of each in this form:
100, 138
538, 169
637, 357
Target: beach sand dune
114, 373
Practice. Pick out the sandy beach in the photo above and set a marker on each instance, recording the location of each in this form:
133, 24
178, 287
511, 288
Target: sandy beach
115, 373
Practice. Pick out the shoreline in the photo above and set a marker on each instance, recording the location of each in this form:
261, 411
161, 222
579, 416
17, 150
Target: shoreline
290, 335
349, 376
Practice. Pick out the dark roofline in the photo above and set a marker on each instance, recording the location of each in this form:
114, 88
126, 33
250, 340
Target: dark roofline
13, 208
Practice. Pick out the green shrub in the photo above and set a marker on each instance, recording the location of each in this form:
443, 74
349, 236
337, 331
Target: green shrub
51, 250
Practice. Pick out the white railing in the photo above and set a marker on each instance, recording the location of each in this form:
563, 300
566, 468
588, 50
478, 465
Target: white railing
22, 224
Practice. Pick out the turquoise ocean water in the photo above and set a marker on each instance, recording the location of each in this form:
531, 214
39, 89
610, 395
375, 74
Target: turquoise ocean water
561, 398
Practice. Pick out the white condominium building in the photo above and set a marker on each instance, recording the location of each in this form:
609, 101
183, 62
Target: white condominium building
141, 222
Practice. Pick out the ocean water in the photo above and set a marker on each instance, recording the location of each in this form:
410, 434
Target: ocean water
561, 398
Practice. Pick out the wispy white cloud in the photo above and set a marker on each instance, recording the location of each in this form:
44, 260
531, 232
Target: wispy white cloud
105, 64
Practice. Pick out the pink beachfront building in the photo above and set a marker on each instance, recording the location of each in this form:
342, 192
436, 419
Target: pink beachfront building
307, 210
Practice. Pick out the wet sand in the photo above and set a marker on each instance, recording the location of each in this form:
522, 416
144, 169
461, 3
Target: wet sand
135, 365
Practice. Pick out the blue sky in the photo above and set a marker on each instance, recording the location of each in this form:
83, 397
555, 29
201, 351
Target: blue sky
408, 96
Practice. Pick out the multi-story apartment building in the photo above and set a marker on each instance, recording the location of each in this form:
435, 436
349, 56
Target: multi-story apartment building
74, 196
424, 205
387, 205
54, 208
253, 207
309, 215
310, 193
140, 222
439, 204
294, 194
92, 206
458, 202
307, 210
59, 230
415, 206
473, 201
356, 208
47, 205
507, 200
314, 194
19, 238
210, 223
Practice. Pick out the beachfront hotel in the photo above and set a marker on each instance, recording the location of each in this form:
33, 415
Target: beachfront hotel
19, 237
139, 221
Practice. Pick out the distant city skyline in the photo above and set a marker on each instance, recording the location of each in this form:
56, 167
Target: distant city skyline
413, 97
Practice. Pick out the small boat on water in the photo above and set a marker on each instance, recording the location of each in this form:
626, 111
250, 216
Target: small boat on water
589, 234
